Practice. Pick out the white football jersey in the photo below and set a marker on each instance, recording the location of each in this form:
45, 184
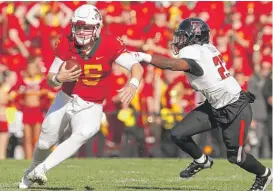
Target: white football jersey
216, 84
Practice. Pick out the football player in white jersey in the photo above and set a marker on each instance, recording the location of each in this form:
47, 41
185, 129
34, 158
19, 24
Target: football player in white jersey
227, 107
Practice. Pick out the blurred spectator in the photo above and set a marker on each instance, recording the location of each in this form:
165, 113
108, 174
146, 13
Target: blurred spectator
241, 61
127, 28
144, 12
15, 27
172, 109
46, 17
4, 135
29, 91
211, 12
241, 78
245, 25
133, 137
132, 35
110, 10
13, 59
113, 105
257, 128
267, 92
177, 11
3, 25
148, 101
158, 36
265, 12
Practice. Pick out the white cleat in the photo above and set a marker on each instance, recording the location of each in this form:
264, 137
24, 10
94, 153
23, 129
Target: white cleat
38, 176
25, 183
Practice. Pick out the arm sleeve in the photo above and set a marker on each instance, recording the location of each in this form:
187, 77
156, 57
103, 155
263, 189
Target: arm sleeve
195, 68
192, 55
126, 61
55, 66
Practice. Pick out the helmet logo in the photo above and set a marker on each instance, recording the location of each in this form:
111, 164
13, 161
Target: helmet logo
98, 15
196, 25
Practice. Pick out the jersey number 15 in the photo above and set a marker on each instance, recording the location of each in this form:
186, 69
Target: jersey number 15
221, 66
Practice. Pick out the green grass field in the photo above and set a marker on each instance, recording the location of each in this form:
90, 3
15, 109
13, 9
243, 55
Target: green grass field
131, 174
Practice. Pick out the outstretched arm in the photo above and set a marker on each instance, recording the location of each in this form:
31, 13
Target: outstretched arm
169, 63
174, 64
162, 61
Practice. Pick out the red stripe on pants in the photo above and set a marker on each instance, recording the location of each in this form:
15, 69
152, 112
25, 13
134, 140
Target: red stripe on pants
242, 133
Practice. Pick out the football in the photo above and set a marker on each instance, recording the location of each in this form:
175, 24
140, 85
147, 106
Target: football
68, 87
71, 63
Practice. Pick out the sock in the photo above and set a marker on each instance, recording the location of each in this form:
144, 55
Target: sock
266, 173
188, 145
252, 165
63, 151
39, 156
202, 159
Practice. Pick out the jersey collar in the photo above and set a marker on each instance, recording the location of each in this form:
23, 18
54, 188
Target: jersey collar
92, 52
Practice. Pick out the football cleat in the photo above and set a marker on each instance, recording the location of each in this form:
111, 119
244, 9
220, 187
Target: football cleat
195, 167
25, 183
261, 183
38, 176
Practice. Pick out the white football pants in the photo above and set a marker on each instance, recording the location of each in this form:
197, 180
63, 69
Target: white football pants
69, 112
66, 113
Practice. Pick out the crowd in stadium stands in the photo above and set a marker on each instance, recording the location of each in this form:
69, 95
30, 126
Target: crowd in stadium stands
242, 32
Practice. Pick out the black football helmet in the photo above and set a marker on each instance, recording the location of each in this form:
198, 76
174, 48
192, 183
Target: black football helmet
190, 31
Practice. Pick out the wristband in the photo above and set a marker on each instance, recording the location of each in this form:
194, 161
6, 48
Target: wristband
134, 82
56, 81
147, 57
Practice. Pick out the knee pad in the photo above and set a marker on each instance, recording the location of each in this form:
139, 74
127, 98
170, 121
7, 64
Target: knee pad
44, 145
233, 156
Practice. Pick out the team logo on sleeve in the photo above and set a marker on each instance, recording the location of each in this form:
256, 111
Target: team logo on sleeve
196, 25
57, 43
120, 41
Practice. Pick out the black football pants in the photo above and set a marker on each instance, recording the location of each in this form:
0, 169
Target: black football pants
234, 136
201, 119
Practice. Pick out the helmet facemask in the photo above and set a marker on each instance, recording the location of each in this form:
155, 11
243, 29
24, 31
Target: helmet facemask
84, 34
180, 39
